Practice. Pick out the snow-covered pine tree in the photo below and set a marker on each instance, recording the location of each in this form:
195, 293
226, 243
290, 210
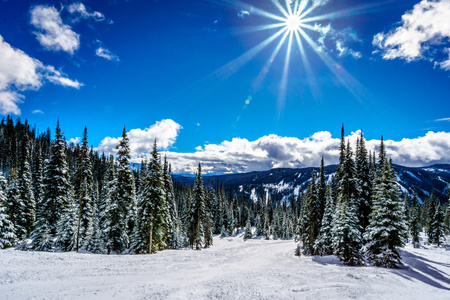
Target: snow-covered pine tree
125, 189
96, 243
324, 243
83, 185
387, 229
37, 177
15, 206
7, 236
56, 185
173, 240
28, 213
114, 225
321, 189
312, 215
67, 229
347, 240
363, 182
414, 221
248, 230
196, 227
436, 232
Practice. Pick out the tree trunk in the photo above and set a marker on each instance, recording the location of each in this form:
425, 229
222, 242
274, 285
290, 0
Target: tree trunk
151, 240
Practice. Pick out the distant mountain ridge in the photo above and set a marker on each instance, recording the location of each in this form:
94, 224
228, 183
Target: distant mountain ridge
283, 182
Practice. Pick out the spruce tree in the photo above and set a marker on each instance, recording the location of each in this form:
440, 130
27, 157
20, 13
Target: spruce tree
364, 182
312, 215
83, 192
7, 236
387, 229
28, 212
196, 226
347, 240
56, 185
172, 218
15, 207
125, 190
67, 229
414, 221
436, 232
248, 230
324, 243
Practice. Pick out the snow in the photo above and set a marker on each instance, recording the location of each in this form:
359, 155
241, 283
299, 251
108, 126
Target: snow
231, 269
413, 176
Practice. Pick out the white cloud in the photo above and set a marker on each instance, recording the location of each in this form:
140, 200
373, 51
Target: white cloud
52, 33
421, 32
329, 38
141, 140
443, 120
37, 111
80, 10
20, 72
243, 14
74, 140
106, 54
272, 151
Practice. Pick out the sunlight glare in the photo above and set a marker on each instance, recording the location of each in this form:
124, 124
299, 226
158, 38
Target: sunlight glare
293, 22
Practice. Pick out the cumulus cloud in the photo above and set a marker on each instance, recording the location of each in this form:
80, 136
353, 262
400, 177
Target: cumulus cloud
74, 140
51, 32
20, 72
106, 54
79, 10
141, 140
272, 151
330, 38
421, 34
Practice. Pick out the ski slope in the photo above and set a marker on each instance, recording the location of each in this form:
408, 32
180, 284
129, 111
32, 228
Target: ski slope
231, 269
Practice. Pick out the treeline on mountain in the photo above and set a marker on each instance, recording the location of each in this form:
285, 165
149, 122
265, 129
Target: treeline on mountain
60, 197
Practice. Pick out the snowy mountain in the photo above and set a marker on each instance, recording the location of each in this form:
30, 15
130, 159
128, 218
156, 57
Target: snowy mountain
282, 183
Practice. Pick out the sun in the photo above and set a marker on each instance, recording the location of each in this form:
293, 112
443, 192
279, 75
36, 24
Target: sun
293, 22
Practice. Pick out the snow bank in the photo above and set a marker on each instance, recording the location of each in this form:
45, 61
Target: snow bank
231, 269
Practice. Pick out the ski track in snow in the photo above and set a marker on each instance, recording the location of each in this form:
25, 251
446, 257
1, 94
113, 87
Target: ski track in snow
231, 269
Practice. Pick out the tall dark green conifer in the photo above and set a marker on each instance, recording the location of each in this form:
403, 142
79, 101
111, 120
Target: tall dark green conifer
196, 226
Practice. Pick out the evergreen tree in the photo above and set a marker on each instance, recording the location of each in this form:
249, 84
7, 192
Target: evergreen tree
116, 238
196, 226
364, 182
67, 225
387, 228
56, 185
324, 242
436, 232
96, 243
83, 187
28, 213
414, 221
125, 189
153, 214
172, 218
312, 215
248, 230
321, 191
347, 241
7, 236
15, 207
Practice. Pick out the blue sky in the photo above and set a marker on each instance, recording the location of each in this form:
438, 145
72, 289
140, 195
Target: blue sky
185, 72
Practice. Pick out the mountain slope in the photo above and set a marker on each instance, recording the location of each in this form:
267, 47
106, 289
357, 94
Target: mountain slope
282, 183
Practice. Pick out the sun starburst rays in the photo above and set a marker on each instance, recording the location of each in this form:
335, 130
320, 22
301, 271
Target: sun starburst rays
293, 18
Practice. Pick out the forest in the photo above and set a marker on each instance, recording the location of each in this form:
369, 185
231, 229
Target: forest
59, 196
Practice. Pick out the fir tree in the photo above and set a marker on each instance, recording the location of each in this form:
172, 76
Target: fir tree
15, 207
56, 185
248, 230
83, 188
7, 236
67, 225
125, 190
414, 221
28, 213
364, 182
347, 241
387, 228
196, 226
436, 232
312, 215
172, 218
324, 242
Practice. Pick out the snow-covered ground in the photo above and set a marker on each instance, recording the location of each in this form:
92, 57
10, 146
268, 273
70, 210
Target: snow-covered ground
231, 269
